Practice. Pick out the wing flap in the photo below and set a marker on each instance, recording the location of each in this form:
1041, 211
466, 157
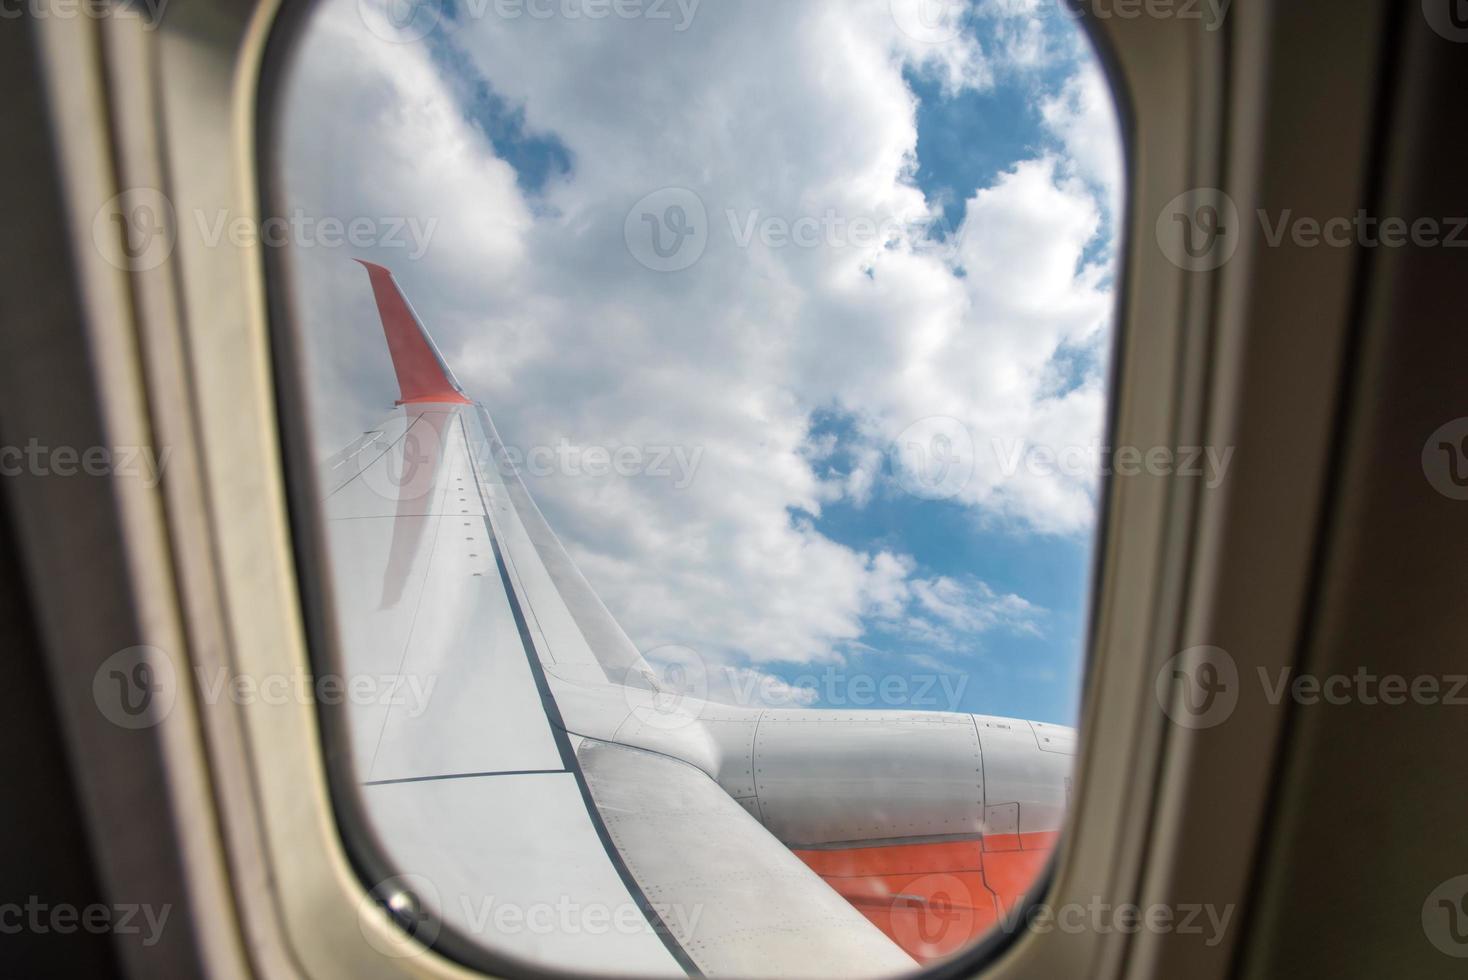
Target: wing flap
737, 901
515, 863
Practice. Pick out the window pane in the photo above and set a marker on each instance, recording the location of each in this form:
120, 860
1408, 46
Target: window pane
712, 434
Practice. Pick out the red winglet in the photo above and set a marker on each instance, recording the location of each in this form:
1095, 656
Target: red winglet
422, 374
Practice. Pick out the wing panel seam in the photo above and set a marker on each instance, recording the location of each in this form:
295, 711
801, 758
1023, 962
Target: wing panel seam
568, 755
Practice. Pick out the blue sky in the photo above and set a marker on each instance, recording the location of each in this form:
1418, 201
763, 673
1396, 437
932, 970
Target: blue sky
964, 141
797, 551
536, 157
1024, 674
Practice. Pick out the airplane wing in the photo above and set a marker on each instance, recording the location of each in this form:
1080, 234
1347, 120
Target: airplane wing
554, 801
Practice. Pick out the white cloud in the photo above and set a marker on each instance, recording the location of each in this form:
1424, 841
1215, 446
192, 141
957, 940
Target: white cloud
1083, 117
784, 111
684, 671
973, 607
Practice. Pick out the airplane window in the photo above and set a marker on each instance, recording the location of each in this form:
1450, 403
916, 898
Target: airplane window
708, 401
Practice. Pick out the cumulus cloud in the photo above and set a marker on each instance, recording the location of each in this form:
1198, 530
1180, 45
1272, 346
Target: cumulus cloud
776, 113
1082, 116
972, 607
682, 670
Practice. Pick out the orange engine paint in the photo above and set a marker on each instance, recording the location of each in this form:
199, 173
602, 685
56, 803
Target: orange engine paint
935, 899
